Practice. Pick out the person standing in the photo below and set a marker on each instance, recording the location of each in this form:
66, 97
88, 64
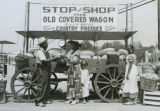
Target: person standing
72, 58
43, 62
85, 77
131, 52
130, 90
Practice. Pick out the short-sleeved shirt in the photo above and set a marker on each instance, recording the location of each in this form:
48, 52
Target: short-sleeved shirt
40, 55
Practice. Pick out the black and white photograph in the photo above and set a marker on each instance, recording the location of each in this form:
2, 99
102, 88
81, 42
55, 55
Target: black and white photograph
80, 55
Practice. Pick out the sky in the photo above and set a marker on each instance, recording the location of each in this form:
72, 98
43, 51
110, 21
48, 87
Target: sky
12, 19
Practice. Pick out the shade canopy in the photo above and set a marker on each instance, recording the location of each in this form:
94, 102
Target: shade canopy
78, 35
6, 42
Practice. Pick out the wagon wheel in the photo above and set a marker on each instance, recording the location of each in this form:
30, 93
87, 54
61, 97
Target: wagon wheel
24, 86
108, 85
53, 82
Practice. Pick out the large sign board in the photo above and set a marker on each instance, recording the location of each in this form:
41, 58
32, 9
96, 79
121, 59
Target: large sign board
78, 18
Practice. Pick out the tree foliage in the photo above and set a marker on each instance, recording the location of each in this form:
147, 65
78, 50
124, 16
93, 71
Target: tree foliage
137, 45
115, 44
86, 45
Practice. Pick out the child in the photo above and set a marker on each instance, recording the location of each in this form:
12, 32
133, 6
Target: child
84, 81
130, 89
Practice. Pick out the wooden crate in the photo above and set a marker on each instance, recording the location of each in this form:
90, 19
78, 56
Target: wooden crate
151, 98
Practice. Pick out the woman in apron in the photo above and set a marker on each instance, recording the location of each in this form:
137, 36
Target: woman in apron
72, 58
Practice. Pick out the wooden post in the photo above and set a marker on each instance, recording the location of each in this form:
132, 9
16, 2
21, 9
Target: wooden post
126, 39
28, 17
126, 18
126, 43
158, 23
132, 22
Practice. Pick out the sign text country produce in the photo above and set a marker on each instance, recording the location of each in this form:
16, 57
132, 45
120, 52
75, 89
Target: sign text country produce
78, 18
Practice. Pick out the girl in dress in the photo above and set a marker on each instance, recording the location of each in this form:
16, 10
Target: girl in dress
131, 52
130, 89
84, 81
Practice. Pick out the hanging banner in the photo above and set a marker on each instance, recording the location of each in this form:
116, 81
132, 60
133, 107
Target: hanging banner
78, 18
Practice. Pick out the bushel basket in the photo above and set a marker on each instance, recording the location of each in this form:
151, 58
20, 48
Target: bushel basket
22, 61
148, 84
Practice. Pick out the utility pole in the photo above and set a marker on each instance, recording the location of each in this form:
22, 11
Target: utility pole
158, 2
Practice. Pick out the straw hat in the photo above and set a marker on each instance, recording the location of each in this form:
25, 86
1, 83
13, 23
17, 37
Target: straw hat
41, 40
75, 43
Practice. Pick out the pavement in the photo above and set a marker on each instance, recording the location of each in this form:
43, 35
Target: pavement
93, 105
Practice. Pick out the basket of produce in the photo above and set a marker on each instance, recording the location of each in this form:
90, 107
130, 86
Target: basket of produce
148, 69
112, 59
22, 60
149, 81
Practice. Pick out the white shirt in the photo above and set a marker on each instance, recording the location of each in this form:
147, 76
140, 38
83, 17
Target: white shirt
40, 55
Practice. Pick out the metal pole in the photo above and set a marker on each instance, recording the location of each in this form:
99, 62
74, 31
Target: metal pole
28, 17
158, 23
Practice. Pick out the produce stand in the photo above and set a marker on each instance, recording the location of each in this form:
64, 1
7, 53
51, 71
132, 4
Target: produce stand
3, 81
3, 71
149, 78
107, 76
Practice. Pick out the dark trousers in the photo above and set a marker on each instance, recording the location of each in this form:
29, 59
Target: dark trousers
44, 83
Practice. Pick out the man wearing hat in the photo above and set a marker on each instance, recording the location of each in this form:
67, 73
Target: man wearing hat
43, 62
